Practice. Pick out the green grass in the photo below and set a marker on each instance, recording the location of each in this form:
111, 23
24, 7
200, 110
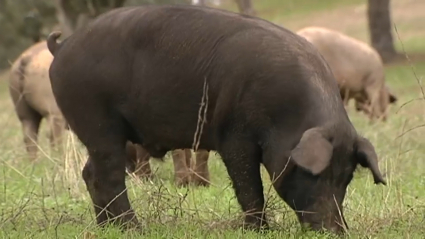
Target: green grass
411, 45
48, 199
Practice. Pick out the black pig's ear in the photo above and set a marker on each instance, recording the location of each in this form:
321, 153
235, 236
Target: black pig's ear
366, 157
313, 152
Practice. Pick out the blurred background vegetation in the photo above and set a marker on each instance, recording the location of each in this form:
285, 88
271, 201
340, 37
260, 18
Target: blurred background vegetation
24, 22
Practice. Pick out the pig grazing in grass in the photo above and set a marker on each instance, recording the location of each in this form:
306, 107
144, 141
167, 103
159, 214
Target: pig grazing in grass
32, 96
357, 67
143, 74
31, 93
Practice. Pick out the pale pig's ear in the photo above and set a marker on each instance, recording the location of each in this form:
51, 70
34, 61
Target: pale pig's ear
392, 97
366, 157
313, 152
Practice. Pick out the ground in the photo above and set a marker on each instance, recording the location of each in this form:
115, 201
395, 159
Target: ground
48, 199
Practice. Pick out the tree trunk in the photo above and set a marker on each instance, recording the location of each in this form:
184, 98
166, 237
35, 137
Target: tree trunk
245, 7
380, 29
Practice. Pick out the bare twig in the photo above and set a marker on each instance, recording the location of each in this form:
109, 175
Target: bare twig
408, 102
417, 80
410, 62
202, 117
411, 129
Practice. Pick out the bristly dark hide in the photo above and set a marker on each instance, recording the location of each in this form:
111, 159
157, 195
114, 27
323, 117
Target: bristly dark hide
138, 74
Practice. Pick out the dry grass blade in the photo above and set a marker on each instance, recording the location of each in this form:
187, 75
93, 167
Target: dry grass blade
202, 117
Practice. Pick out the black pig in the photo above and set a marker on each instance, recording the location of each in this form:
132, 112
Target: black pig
141, 73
